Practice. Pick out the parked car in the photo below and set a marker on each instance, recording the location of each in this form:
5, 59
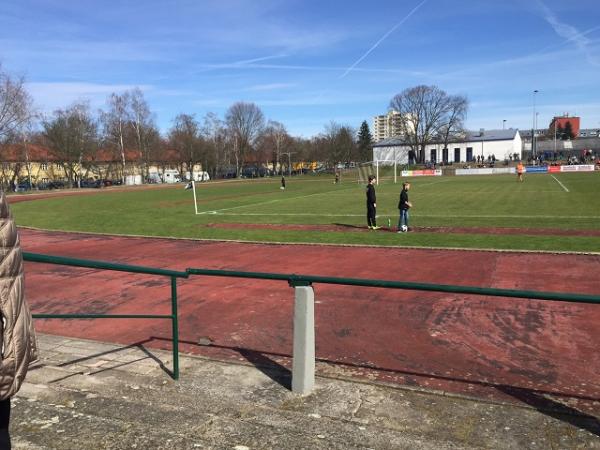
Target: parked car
51, 185
56, 184
91, 184
23, 186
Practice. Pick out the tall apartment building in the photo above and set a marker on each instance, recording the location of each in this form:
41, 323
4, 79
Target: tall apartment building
387, 126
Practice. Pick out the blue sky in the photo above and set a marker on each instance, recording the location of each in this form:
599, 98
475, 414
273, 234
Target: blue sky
306, 63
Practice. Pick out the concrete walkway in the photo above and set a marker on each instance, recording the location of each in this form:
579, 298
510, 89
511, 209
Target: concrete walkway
90, 395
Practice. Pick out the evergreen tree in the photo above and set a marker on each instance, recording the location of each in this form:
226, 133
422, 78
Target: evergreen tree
365, 142
559, 131
568, 131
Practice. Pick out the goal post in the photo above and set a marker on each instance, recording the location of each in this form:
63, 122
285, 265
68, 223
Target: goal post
194, 191
381, 169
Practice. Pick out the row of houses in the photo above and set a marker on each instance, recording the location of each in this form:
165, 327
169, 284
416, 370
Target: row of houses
37, 166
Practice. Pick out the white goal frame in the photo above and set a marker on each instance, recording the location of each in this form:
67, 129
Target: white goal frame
377, 163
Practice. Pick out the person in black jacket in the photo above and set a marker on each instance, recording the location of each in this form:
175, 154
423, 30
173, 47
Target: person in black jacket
371, 205
403, 206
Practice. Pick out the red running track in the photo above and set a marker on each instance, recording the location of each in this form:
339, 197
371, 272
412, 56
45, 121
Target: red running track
497, 348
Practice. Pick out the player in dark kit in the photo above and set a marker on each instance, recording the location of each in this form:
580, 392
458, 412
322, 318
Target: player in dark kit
371, 205
403, 206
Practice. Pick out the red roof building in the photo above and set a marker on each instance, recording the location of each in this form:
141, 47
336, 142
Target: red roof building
561, 122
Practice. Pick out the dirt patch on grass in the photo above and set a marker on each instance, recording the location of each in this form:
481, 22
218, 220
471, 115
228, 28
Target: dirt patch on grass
16, 198
445, 230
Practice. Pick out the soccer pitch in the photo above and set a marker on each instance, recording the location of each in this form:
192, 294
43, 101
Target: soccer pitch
553, 212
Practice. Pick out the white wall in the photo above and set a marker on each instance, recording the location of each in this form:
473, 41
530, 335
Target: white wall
501, 149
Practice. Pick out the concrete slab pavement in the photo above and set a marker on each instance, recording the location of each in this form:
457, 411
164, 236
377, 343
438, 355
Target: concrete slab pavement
87, 394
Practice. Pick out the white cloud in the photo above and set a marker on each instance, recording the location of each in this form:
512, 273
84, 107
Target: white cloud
572, 34
270, 86
55, 95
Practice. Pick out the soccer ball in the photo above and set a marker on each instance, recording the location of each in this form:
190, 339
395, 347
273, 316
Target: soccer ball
404, 228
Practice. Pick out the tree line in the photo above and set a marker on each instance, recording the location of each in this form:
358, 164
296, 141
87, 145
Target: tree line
125, 132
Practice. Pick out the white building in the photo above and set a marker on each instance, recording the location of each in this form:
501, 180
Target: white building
387, 126
499, 143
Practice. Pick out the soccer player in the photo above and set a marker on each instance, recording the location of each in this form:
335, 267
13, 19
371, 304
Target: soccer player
403, 206
520, 170
282, 183
371, 205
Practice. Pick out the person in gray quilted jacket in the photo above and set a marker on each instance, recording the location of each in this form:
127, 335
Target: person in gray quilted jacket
17, 337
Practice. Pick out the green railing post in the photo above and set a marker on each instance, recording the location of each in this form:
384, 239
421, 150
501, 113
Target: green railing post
175, 328
103, 265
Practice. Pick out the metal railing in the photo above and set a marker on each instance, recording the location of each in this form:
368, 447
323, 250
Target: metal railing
306, 280
303, 357
101, 265
304, 345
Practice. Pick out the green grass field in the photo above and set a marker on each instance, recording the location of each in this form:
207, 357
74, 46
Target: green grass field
557, 201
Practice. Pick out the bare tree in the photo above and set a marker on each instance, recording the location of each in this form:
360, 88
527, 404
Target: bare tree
339, 143
185, 138
144, 128
115, 122
454, 127
276, 137
15, 106
216, 134
71, 136
425, 114
245, 122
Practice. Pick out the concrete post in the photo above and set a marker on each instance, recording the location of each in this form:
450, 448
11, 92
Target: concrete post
303, 366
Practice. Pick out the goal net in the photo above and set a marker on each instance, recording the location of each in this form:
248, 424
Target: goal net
384, 170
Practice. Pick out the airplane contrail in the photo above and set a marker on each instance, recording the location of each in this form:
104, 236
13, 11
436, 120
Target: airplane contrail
383, 38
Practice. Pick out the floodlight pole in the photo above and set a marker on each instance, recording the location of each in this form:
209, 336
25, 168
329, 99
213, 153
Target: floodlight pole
554, 137
533, 130
395, 167
27, 159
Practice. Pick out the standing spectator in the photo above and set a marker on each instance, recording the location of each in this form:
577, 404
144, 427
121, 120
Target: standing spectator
403, 206
371, 205
17, 337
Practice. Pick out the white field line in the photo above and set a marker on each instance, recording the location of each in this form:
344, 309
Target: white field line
292, 214
518, 216
218, 211
561, 185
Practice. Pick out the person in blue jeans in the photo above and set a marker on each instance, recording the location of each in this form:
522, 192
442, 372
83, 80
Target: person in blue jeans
404, 205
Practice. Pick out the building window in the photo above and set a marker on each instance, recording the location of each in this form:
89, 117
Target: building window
44, 166
45, 180
457, 155
469, 154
